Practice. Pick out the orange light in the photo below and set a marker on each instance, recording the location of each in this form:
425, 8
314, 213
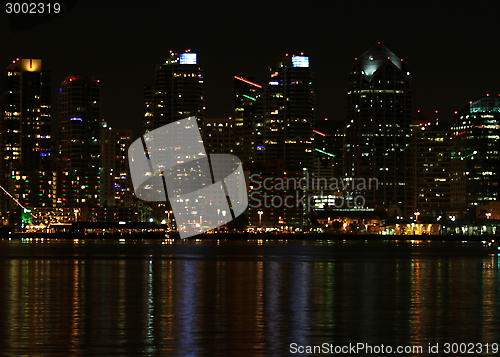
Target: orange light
247, 81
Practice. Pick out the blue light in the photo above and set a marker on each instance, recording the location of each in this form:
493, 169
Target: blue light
60, 90
300, 61
188, 58
79, 119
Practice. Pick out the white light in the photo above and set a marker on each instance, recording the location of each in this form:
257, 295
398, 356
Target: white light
188, 58
300, 61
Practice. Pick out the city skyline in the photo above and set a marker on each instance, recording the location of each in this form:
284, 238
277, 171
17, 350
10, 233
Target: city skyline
379, 113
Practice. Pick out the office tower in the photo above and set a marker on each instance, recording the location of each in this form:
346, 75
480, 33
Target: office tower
177, 93
248, 131
288, 112
327, 166
116, 182
432, 166
476, 158
26, 135
378, 131
26, 115
80, 141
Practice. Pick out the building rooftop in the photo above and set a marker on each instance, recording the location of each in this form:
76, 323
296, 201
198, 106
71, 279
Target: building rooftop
375, 57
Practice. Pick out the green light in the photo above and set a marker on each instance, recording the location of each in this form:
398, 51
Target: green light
462, 157
247, 96
324, 152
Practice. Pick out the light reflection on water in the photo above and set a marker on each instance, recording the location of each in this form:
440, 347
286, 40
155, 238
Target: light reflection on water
241, 298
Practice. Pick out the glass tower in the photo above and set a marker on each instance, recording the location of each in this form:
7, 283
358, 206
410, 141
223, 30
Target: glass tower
475, 156
177, 93
378, 130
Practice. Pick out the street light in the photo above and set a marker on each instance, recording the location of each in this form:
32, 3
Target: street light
488, 215
168, 218
260, 213
416, 219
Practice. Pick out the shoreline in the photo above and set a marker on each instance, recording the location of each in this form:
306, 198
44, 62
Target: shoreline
248, 236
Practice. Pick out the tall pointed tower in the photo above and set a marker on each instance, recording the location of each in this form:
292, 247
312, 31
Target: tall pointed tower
378, 131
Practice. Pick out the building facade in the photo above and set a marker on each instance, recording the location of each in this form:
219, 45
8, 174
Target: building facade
378, 130
248, 131
476, 158
432, 166
177, 93
25, 138
79, 141
288, 111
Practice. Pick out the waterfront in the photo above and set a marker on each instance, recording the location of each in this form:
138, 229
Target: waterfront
145, 297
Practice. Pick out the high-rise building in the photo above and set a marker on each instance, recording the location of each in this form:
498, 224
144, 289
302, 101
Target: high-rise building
177, 93
328, 165
25, 138
288, 114
432, 166
378, 130
26, 115
476, 156
116, 184
248, 131
79, 138
80, 122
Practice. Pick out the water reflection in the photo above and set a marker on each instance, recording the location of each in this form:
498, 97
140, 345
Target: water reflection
217, 299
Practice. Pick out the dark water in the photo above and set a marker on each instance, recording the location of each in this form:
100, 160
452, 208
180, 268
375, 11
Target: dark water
242, 298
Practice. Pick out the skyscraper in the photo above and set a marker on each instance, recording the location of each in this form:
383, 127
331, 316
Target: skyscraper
280, 140
432, 165
378, 130
247, 130
116, 184
288, 112
177, 93
80, 140
80, 122
476, 158
26, 115
25, 138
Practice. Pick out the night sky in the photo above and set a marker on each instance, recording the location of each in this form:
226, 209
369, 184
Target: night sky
451, 48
